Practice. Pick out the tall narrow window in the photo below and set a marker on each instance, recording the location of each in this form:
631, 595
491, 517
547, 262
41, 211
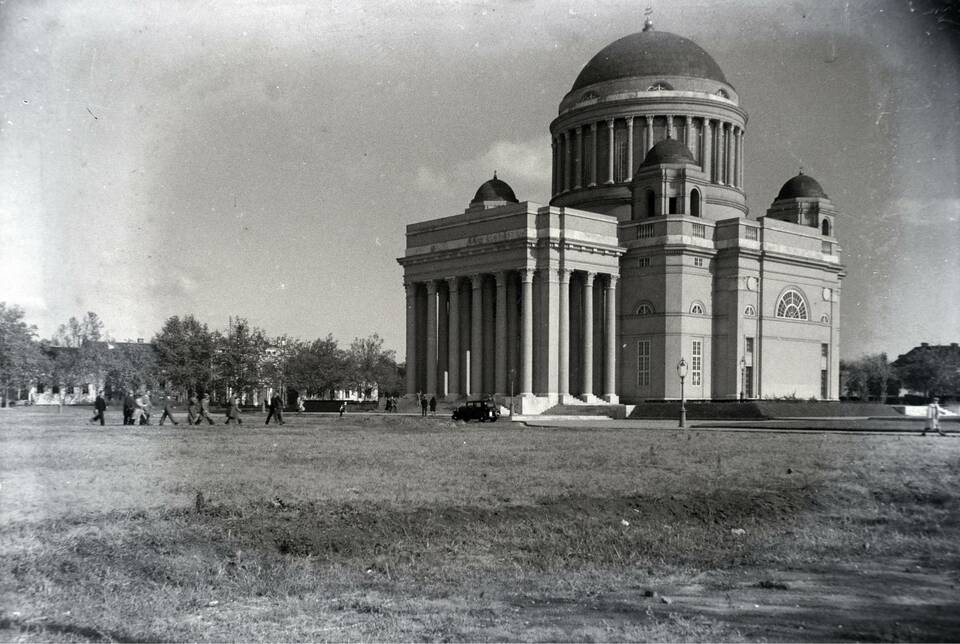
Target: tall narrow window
643, 363
825, 227
824, 384
696, 364
695, 203
672, 205
651, 203
748, 382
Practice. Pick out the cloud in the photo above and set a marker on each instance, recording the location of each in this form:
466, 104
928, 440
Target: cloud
526, 166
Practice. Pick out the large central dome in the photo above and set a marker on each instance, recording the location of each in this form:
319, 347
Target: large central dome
649, 53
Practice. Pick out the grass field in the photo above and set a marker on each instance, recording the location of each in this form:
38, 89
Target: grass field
396, 528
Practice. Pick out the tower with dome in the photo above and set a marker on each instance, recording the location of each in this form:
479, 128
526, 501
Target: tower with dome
646, 256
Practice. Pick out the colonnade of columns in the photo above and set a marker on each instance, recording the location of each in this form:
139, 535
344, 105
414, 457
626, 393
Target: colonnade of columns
580, 150
491, 333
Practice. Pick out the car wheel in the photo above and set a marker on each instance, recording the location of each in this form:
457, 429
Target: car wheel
456, 416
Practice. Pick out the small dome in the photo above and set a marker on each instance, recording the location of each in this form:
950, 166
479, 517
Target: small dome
494, 190
801, 187
668, 151
649, 53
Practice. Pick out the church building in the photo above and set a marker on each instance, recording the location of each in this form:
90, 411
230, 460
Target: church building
645, 266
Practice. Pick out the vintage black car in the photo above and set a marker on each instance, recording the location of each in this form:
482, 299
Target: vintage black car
482, 410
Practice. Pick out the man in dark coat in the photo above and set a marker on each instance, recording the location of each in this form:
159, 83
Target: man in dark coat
167, 413
99, 406
423, 405
433, 405
276, 410
129, 404
233, 412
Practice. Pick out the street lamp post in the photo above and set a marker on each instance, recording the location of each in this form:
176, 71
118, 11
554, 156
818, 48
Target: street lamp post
743, 379
682, 372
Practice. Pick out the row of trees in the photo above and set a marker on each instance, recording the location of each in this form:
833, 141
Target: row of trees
187, 355
926, 370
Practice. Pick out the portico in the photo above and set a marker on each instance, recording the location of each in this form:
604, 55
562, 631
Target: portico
515, 299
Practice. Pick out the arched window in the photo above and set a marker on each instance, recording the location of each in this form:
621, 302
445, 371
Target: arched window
645, 308
660, 86
825, 227
694, 203
792, 306
722, 93
697, 308
651, 203
749, 311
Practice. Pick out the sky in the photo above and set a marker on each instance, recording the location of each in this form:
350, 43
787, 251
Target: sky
263, 158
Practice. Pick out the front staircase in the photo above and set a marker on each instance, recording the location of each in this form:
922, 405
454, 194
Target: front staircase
610, 411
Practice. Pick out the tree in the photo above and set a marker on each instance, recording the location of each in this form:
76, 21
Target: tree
931, 370
869, 377
316, 368
131, 365
370, 365
76, 332
185, 352
21, 359
238, 356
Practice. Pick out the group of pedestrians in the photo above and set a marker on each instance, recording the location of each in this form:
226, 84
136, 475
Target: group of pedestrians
426, 404
137, 410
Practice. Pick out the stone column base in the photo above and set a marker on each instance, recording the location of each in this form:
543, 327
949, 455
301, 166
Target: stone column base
613, 399
590, 399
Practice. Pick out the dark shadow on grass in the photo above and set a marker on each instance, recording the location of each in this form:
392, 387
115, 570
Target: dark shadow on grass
92, 634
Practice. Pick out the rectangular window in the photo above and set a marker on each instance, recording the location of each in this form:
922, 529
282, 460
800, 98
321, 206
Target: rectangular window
749, 345
825, 350
824, 384
748, 382
672, 205
696, 364
700, 230
643, 363
698, 261
643, 262
751, 233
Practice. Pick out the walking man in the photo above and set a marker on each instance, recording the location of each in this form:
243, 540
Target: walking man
276, 410
99, 406
193, 410
433, 405
205, 410
233, 412
934, 411
166, 412
128, 406
423, 405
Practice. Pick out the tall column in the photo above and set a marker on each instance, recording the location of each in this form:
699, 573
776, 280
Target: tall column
553, 177
688, 136
587, 362
526, 344
411, 289
564, 362
610, 150
670, 133
610, 340
649, 142
443, 339
513, 358
707, 159
578, 157
629, 148
453, 337
566, 161
476, 335
740, 164
593, 154
500, 367
431, 365
726, 153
